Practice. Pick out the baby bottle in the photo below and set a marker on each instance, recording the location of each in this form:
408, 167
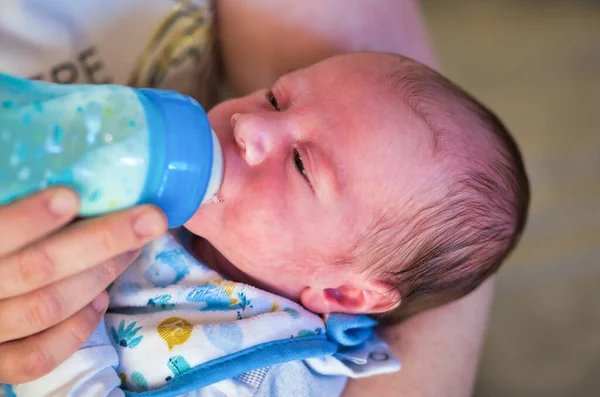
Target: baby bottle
116, 146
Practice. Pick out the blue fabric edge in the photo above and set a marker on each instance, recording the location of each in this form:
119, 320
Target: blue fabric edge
350, 330
8, 390
259, 356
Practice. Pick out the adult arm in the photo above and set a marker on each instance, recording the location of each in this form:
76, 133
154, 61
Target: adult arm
439, 350
262, 39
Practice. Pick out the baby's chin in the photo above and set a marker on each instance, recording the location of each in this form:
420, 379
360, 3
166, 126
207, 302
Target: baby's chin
202, 221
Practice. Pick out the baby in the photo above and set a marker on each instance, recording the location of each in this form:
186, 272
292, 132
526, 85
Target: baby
366, 183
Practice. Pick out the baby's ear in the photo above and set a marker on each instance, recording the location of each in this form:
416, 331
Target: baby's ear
373, 297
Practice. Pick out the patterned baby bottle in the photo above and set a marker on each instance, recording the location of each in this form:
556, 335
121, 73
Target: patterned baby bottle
116, 146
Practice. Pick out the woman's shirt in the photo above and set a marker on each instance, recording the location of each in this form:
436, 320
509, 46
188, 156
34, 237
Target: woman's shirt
143, 43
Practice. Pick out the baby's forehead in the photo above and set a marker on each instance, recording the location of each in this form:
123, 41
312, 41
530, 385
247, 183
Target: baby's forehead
346, 72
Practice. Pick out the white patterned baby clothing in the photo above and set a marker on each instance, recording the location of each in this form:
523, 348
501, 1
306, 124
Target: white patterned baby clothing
169, 313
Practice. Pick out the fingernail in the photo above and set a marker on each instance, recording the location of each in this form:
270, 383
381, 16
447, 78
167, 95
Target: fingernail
63, 202
149, 224
100, 303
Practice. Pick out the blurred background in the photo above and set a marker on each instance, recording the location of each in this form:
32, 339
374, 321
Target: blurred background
537, 64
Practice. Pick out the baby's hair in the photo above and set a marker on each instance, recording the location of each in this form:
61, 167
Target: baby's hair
446, 248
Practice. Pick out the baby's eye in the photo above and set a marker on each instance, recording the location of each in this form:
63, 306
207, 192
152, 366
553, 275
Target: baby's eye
300, 164
273, 100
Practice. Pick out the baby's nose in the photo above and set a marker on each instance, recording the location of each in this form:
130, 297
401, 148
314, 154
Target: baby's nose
255, 137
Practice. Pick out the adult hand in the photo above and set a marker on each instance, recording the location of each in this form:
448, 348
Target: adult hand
53, 276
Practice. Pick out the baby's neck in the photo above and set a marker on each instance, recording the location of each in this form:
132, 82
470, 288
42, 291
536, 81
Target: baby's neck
212, 258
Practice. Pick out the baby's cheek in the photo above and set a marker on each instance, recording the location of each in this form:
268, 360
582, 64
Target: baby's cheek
264, 237
243, 223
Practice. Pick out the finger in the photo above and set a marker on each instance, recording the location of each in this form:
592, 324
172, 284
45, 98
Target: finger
79, 247
27, 359
39, 310
32, 217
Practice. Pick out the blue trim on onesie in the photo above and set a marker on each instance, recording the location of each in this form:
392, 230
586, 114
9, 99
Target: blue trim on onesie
259, 356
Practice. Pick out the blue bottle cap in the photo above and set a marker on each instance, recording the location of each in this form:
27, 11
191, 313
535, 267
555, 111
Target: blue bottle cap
186, 162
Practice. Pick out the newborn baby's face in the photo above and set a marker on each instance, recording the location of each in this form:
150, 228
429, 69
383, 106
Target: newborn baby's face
309, 164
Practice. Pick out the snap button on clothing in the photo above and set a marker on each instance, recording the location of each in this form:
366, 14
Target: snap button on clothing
379, 356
